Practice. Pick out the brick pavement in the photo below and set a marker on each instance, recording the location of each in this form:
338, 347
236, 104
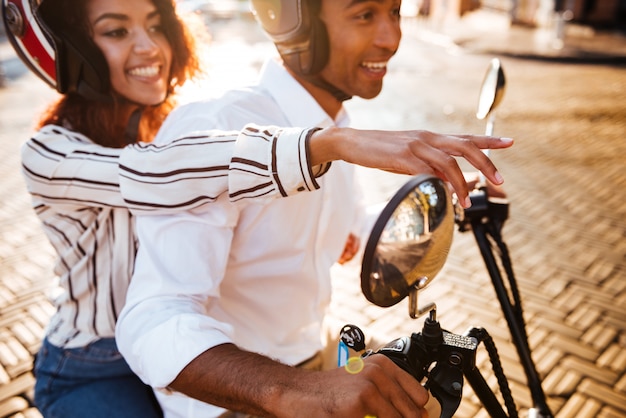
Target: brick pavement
566, 182
26, 257
565, 177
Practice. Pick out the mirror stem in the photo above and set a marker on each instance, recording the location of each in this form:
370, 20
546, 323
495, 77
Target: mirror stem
414, 311
482, 180
490, 123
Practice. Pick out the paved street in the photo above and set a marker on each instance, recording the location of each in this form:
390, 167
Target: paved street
565, 177
566, 181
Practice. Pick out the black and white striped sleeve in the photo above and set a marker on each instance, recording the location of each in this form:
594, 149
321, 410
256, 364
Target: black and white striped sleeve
62, 167
256, 163
271, 161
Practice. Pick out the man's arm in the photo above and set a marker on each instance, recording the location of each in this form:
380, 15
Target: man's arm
168, 339
246, 382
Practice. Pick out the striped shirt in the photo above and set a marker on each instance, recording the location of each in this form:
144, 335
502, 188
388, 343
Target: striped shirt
84, 194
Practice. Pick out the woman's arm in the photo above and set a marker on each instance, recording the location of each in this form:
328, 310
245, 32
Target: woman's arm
62, 167
410, 152
269, 162
195, 169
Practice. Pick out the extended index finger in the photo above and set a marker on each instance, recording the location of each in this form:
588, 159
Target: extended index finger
488, 142
476, 157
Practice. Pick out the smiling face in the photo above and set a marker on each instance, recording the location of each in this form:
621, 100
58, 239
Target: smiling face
139, 56
363, 36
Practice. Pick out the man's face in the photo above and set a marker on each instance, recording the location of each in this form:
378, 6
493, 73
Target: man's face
363, 36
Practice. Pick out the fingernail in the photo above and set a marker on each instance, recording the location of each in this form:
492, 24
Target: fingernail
499, 177
468, 202
506, 139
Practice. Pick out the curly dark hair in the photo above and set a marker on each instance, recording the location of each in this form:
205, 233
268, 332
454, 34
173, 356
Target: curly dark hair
101, 121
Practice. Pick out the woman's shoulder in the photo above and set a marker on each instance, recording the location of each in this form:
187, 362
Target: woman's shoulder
53, 140
56, 132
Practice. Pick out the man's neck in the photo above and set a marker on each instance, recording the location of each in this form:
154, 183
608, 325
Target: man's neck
324, 98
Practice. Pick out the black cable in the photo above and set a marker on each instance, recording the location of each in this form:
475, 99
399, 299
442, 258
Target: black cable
483, 336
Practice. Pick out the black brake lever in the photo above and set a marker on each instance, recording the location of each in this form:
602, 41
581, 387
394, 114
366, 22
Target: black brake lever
446, 385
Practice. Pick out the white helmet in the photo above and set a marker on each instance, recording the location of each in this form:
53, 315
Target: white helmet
297, 31
300, 37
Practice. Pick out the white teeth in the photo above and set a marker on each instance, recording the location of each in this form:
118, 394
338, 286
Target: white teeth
375, 65
144, 71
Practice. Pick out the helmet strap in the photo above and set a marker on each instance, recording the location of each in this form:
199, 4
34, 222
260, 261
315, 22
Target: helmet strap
318, 81
131, 133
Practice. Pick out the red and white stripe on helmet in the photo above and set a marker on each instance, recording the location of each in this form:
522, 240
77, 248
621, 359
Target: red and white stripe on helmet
28, 36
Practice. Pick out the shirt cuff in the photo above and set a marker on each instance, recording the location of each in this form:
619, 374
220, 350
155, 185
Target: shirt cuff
159, 355
290, 162
320, 169
272, 161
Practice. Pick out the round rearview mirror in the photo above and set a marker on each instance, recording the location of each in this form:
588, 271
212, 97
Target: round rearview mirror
409, 242
492, 89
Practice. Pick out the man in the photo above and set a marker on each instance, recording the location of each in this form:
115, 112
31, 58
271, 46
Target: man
228, 297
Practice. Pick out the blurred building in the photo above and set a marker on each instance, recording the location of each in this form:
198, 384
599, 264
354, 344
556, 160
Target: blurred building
601, 14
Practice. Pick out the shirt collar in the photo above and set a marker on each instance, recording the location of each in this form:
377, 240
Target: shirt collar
301, 109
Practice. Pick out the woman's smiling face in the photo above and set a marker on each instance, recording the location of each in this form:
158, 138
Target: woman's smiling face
129, 34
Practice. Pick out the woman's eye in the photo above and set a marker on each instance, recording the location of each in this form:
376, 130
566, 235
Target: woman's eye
157, 28
116, 33
364, 16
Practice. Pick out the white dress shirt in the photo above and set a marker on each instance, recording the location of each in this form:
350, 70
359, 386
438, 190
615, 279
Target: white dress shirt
256, 274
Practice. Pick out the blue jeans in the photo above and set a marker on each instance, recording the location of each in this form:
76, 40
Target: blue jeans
92, 381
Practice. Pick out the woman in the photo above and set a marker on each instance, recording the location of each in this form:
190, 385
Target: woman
117, 64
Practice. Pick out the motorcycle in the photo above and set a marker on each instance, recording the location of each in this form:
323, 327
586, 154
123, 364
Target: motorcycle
408, 246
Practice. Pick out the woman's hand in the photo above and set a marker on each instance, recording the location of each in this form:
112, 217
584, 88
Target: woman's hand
410, 152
